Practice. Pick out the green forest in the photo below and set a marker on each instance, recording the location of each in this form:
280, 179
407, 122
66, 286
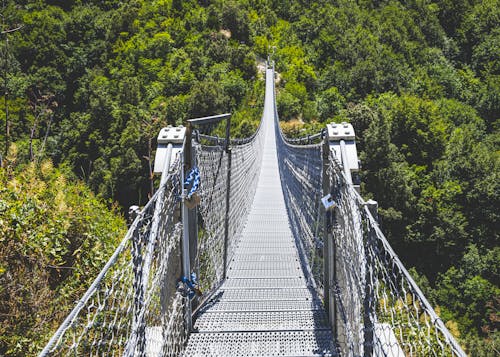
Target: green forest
87, 85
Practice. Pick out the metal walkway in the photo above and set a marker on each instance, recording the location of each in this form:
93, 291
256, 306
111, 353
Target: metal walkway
261, 305
264, 308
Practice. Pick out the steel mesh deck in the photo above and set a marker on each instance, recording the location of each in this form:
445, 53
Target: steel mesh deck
265, 265
269, 250
264, 307
258, 257
262, 321
271, 283
280, 274
266, 294
293, 343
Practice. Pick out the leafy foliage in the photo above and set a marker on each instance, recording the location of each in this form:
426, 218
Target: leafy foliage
90, 83
55, 236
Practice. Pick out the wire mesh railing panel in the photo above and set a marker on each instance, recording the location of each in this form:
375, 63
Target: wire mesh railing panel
380, 309
245, 170
348, 282
242, 161
160, 318
212, 162
399, 309
300, 170
105, 321
137, 306
133, 308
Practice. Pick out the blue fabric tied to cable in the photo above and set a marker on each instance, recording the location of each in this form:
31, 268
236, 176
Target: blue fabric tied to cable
191, 287
192, 181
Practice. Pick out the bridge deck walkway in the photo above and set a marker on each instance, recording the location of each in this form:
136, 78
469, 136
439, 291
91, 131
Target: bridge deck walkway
264, 308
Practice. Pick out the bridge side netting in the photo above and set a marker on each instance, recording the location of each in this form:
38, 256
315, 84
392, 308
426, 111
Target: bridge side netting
135, 306
378, 308
213, 163
300, 170
125, 311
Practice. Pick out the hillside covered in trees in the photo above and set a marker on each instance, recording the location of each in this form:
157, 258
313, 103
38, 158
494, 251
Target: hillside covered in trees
90, 83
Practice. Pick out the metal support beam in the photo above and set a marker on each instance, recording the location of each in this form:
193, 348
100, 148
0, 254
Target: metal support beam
228, 193
329, 265
209, 120
326, 228
332, 275
369, 301
186, 261
345, 162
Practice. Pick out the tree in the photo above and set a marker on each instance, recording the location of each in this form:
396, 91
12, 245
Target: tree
55, 236
330, 102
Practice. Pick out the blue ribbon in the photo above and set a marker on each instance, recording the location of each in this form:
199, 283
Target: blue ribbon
191, 285
193, 180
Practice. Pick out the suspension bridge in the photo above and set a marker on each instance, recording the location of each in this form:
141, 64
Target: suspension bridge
254, 247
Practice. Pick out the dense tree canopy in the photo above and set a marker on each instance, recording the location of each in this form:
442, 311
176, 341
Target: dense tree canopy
90, 83
55, 236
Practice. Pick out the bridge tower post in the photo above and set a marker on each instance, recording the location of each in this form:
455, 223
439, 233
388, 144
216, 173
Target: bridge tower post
343, 145
329, 261
228, 193
340, 142
329, 248
369, 298
173, 141
186, 222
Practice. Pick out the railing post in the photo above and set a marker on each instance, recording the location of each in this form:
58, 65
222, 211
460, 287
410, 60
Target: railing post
193, 227
193, 215
186, 260
228, 194
369, 298
171, 141
329, 265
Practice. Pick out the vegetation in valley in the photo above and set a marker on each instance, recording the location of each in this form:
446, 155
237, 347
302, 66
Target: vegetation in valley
90, 83
55, 236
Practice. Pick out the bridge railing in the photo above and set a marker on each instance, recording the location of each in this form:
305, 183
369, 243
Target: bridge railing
379, 307
140, 303
224, 174
133, 307
136, 306
300, 171
375, 306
